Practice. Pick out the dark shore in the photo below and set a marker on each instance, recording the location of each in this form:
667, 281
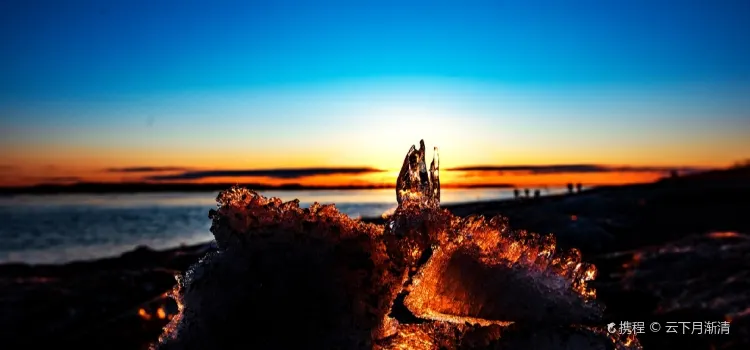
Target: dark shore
672, 251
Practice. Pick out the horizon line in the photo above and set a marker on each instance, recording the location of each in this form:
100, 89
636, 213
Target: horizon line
151, 187
168, 174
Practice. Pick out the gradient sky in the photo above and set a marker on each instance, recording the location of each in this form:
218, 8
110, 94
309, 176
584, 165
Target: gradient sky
90, 85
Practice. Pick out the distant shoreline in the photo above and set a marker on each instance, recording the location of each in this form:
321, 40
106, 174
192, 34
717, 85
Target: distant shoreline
102, 188
150, 187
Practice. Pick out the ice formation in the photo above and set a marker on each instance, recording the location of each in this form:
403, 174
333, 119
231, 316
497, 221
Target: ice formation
313, 278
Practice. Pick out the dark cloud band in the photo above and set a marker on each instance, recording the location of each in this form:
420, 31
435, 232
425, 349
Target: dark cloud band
576, 168
272, 173
145, 169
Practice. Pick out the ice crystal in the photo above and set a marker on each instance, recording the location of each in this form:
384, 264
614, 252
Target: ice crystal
291, 277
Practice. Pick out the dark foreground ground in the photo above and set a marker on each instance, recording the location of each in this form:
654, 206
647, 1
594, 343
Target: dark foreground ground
672, 251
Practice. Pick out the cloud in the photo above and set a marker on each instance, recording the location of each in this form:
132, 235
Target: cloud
63, 178
145, 169
574, 168
6, 168
273, 173
53, 179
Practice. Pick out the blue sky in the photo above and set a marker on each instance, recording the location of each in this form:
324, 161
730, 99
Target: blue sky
646, 81
85, 48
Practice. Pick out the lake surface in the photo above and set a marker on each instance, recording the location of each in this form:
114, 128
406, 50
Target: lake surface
63, 228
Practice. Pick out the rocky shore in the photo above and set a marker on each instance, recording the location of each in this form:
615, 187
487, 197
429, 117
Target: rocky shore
671, 251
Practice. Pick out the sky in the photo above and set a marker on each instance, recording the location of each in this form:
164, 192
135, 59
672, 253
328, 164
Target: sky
323, 92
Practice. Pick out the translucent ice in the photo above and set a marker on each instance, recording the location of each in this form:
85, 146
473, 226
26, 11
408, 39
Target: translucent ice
313, 278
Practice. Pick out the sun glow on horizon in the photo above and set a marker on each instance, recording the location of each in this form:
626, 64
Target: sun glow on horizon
449, 178
269, 86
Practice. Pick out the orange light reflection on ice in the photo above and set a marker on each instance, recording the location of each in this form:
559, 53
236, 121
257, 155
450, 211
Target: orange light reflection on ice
144, 314
160, 313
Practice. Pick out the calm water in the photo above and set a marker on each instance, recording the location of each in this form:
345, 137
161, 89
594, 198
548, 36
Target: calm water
62, 228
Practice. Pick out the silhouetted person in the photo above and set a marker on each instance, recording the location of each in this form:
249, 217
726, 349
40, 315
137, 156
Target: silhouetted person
516, 193
537, 193
673, 174
526, 191
570, 187
579, 187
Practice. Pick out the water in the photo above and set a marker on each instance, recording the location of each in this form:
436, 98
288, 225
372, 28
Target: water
63, 228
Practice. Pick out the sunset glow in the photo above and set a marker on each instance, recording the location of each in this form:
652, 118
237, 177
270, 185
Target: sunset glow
277, 85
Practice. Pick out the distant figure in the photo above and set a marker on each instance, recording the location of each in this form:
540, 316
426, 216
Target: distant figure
516, 193
673, 174
537, 193
570, 187
579, 187
526, 191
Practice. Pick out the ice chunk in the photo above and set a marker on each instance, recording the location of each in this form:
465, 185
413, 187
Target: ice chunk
415, 185
291, 277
